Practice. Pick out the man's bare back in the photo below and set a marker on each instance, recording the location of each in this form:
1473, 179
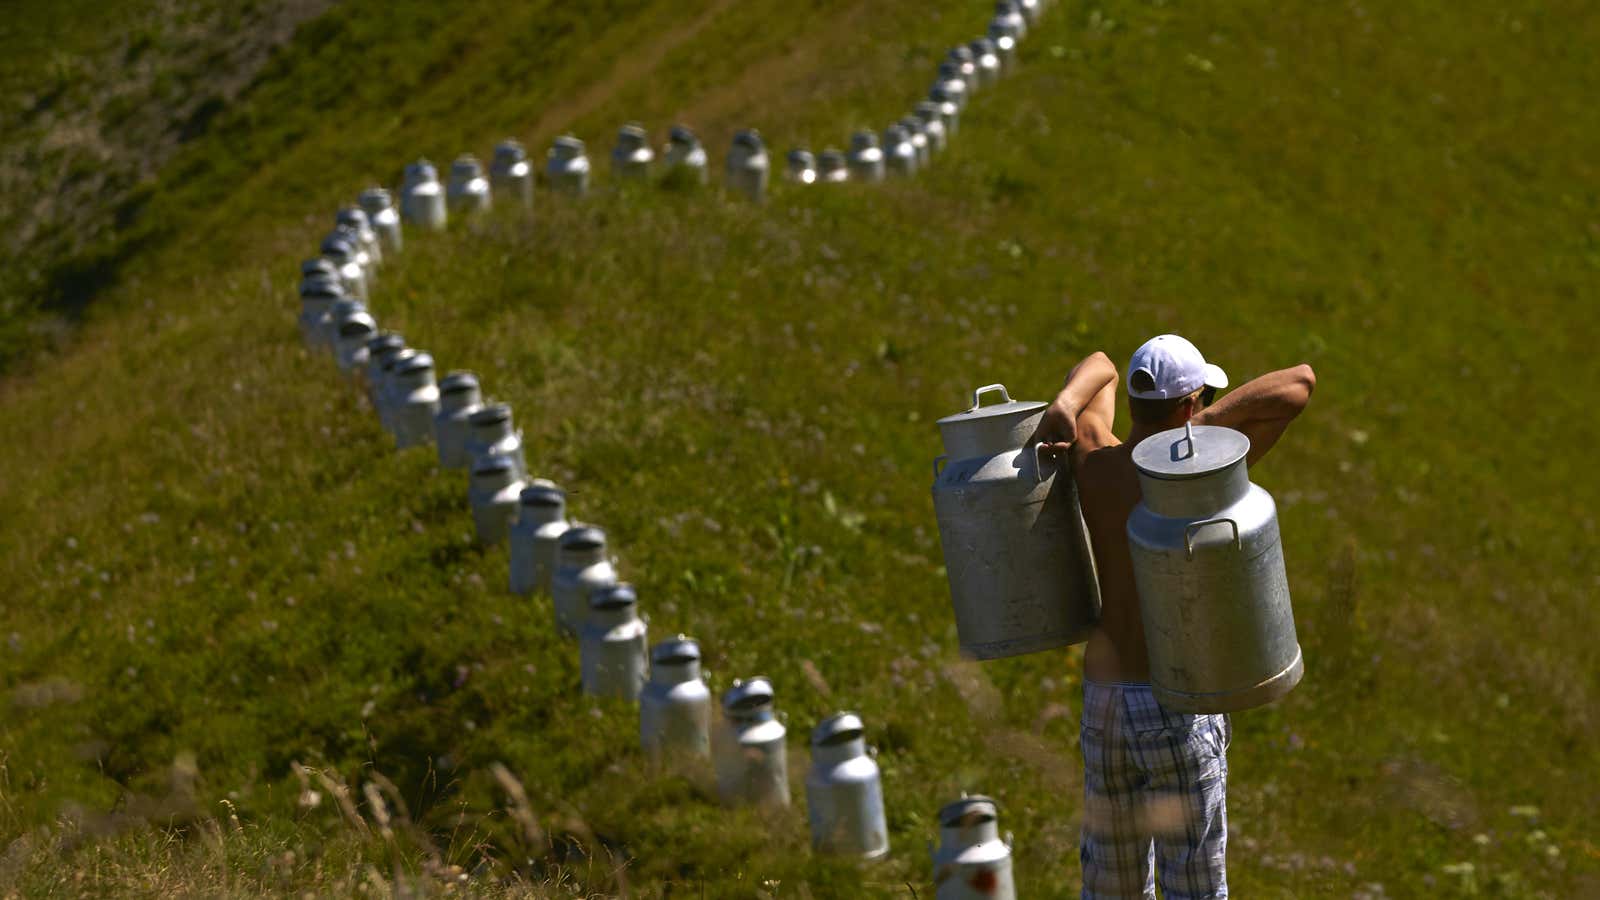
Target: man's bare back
1108, 488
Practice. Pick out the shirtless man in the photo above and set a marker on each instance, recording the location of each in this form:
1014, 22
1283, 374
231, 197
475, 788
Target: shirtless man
1155, 782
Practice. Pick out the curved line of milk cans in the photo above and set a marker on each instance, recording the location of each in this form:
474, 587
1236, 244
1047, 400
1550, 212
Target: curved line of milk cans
568, 560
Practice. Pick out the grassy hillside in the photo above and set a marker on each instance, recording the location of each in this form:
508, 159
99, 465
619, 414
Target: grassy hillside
224, 595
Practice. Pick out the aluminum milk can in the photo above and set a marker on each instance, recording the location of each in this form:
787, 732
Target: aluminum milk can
900, 155
972, 862
832, 167
339, 250
468, 191
675, 705
748, 165
511, 175
422, 197
540, 524
388, 391
632, 157
1005, 36
612, 644
951, 84
381, 350
490, 433
355, 219
919, 140
581, 569
379, 207
493, 496
844, 794
949, 111
1208, 563
685, 154
567, 167
927, 113
459, 398
1016, 550
987, 61
748, 749
350, 352
801, 167
416, 401
1008, 12
358, 242
966, 66
1030, 10
866, 158
317, 296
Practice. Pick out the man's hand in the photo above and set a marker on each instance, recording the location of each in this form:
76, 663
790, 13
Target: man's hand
1080, 417
1057, 430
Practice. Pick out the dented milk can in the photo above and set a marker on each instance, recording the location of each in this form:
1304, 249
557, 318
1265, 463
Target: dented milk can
468, 191
675, 705
581, 569
972, 862
832, 167
748, 749
416, 401
748, 166
459, 398
685, 155
511, 175
493, 497
490, 433
900, 155
422, 197
801, 167
612, 644
1208, 563
844, 793
567, 168
540, 524
379, 207
1016, 550
632, 157
927, 112
866, 157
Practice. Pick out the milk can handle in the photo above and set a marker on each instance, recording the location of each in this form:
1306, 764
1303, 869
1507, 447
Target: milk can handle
938, 466
1188, 533
1038, 462
977, 395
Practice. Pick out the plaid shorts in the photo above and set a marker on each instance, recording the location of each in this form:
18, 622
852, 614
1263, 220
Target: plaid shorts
1155, 797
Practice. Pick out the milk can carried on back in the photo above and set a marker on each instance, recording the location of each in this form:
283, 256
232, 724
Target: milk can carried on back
542, 521
972, 862
1208, 563
1016, 550
844, 791
749, 752
675, 706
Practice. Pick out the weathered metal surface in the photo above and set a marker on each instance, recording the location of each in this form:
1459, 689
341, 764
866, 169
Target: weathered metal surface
972, 862
1208, 562
1016, 550
844, 791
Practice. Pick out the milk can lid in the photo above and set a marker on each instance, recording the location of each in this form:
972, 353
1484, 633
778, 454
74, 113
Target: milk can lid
961, 53
838, 729
568, 142
492, 414
390, 360
800, 156
510, 150
613, 597
375, 196
1176, 454
345, 307
357, 325
388, 340
748, 696
983, 45
318, 265
955, 813
675, 651
831, 159
862, 140
583, 537
416, 363
337, 244
748, 138
681, 134
493, 465
353, 216
1007, 408
458, 383
542, 493
323, 286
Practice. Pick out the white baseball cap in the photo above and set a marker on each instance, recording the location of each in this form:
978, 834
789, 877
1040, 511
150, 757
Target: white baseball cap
1174, 367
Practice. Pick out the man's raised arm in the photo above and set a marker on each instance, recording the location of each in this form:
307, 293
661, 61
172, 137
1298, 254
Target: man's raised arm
1083, 413
1264, 407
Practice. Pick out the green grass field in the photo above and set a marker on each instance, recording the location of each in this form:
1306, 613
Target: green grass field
224, 595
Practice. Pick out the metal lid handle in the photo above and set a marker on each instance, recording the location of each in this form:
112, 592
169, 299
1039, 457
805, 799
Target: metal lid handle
977, 395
